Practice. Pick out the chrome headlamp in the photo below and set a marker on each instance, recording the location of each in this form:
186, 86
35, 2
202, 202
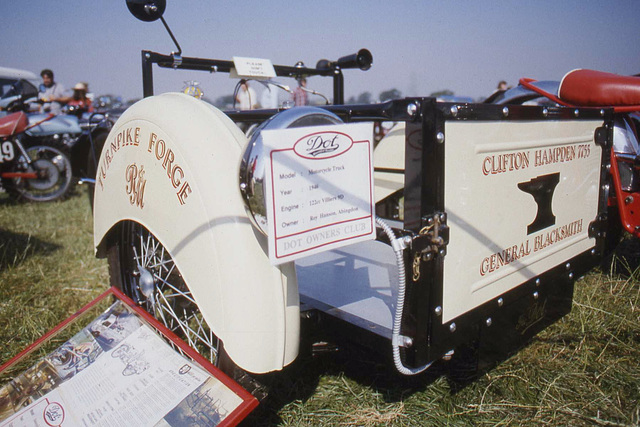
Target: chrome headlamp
252, 166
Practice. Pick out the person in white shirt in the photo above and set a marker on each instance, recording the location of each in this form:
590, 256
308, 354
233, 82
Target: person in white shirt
52, 94
246, 98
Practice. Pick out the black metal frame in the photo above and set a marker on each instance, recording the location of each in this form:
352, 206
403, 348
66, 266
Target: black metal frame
222, 66
525, 310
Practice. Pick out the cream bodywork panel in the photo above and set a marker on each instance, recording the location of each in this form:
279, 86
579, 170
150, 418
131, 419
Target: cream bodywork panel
488, 213
389, 154
250, 305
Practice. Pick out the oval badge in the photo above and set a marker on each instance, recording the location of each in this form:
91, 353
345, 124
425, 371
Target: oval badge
322, 145
53, 414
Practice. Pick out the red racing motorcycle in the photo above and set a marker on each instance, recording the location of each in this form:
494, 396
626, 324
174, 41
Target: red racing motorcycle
38, 173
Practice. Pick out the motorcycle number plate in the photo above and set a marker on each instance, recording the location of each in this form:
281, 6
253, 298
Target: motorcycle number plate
7, 153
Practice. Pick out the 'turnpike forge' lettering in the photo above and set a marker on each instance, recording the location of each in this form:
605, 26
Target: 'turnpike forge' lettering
159, 149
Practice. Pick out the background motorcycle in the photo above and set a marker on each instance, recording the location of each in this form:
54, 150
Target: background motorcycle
38, 173
76, 134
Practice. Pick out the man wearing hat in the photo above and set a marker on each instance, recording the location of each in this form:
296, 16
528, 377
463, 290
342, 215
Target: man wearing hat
79, 98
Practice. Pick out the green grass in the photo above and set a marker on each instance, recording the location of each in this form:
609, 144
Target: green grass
582, 371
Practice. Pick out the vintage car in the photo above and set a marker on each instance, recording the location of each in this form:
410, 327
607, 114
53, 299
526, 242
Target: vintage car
470, 224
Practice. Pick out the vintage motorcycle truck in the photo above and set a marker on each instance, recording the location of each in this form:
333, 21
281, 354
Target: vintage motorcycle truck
480, 224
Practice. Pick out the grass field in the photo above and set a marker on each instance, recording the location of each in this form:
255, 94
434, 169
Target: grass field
583, 370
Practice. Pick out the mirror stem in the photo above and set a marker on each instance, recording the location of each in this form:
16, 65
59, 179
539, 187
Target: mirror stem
179, 52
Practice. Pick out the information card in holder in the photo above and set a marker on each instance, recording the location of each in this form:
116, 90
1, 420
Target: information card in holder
318, 188
121, 368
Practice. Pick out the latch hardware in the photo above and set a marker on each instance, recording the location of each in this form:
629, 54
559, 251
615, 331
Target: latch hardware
430, 242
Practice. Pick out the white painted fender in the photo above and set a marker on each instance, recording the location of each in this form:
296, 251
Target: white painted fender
188, 197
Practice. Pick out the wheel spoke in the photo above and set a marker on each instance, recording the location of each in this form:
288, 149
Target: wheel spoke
172, 303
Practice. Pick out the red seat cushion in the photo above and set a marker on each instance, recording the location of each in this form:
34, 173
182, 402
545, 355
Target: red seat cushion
590, 88
13, 124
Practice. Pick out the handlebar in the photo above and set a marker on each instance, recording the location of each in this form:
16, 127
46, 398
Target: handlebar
363, 60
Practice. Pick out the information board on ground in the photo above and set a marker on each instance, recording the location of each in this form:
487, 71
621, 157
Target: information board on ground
117, 371
318, 189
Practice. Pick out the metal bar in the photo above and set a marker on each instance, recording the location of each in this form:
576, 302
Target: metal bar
338, 87
391, 110
224, 66
147, 74
214, 65
25, 175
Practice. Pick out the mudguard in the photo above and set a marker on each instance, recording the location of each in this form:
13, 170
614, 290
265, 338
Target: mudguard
171, 163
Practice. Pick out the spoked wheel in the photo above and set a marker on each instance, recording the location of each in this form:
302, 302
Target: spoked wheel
55, 177
143, 269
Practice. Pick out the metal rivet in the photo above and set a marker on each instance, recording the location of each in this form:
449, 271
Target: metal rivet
243, 186
448, 355
576, 112
454, 110
571, 275
407, 341
545, 112
605, 187
412, 109
602, 112
440, 137
147, 55
438, 310
407, 240
538, 282
500, 302
442, 217
452, 327
593, 251
505, 111
442, 252
489, 321
628, 200
568, 266
430, 221
536, 295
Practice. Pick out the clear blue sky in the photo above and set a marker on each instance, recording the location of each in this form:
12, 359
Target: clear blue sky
418, 46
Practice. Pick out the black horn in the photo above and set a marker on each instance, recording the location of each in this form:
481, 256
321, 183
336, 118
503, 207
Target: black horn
363, 60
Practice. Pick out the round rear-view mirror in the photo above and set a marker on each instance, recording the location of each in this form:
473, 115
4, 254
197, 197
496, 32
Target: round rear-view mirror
147, 10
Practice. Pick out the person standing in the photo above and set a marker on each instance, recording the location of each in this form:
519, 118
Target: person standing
269, 97
52, 94
79, 98
246, 97
300, 95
